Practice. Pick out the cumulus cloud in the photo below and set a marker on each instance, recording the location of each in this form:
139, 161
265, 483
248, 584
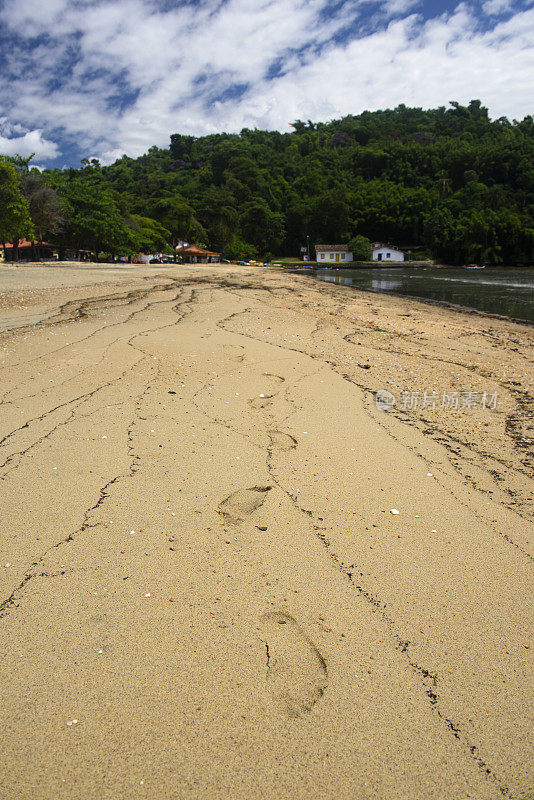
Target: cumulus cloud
117, 76
14, 140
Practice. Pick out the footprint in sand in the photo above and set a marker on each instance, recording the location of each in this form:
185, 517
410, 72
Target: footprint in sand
238, 353
261, 402
296, 671
239, 505
282, 441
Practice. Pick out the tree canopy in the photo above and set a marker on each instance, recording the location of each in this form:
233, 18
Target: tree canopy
447, 182
15, 219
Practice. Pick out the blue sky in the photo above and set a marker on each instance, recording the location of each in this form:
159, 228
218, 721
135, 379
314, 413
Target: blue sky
99, 78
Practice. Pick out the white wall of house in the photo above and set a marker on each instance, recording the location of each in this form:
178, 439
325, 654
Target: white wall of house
330, 257
387, 254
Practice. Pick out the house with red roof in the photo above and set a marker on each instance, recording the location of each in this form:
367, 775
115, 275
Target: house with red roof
30, 251
191, 254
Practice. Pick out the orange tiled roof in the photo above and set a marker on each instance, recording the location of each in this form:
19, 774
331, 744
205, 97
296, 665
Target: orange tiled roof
26, 243
193, 250
336, 248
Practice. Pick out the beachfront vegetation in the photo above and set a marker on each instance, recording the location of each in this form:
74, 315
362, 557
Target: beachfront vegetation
15, 219
447, 183
360, 247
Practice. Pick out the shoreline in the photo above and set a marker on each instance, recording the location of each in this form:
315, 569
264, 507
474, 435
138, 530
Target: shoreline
226, 573
430, 301
439, 303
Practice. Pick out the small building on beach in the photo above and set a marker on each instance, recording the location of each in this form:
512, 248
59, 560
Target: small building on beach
386, 252
191, 254
30, 251
330, 254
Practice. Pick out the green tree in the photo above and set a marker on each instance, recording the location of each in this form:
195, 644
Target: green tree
15, 219
440, 233
449, 179
46, 209
177, 216
260, 226
148, 235
94, 222
238, 250
218, 215
330, 217
360, 247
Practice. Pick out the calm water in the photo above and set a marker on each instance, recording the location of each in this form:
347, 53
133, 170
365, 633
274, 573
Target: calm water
495, 290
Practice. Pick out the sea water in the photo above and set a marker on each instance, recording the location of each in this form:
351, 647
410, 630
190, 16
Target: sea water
495, 290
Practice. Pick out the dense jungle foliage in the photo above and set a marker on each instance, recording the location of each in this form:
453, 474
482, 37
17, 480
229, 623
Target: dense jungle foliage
447, 183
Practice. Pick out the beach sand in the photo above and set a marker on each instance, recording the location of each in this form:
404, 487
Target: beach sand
204, 590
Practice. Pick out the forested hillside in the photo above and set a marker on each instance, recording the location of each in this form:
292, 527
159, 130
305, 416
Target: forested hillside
448, 182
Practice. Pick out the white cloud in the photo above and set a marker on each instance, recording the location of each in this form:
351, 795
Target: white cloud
120, 75
394, 7
25, 145
496, 7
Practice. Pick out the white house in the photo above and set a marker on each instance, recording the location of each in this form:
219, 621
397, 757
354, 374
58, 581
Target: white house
332, 254
386, 252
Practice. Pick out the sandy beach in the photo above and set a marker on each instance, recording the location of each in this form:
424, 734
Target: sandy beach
225, 574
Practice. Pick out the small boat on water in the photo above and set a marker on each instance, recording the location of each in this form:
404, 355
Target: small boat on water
474, 266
